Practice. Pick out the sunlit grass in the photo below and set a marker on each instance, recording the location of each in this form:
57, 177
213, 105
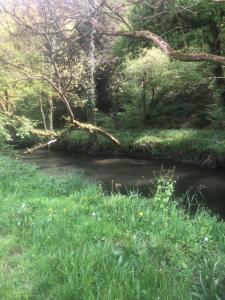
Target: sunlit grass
63, 238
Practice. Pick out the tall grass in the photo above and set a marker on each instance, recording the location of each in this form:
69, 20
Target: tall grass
63, 238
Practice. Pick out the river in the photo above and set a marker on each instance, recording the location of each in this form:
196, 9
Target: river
126, 174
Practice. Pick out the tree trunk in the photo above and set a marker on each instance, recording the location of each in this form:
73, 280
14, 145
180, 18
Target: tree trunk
103, 95
115, 110
43, 114
215, 46
144, 99
50, 114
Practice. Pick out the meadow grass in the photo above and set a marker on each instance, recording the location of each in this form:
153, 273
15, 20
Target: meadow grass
64, 238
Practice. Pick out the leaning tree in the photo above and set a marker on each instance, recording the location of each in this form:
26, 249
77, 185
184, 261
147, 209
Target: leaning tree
61, 30
59, 41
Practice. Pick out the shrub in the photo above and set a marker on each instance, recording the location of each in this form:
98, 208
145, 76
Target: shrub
152, 77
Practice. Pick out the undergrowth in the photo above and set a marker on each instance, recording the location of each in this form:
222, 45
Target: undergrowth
183, 144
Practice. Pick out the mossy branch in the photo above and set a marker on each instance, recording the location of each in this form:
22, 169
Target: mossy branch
72, 126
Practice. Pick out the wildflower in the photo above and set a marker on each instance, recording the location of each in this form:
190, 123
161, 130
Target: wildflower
118, 185
141, 214
65, 209
206, 239
93, 214
50, 209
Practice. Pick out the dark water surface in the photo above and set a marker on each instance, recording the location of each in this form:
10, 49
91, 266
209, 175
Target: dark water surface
127, 174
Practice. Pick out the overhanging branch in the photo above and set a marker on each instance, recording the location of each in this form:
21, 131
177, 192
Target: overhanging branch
165, 46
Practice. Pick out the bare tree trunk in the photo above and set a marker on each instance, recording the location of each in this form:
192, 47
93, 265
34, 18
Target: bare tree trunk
144, 99
115, 110
50, 114
43, 114
7, 100
91, 103
6, 104
215, 46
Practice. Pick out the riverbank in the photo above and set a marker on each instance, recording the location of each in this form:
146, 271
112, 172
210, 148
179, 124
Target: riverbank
199, 147
63, 238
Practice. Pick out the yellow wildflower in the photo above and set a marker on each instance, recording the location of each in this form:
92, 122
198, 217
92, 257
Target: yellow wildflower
141, 214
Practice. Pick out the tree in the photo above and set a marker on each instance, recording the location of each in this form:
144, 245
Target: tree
186, 24
152, 75
58, 32
51, 35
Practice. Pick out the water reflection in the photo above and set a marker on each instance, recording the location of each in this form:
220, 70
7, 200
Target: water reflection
126, 174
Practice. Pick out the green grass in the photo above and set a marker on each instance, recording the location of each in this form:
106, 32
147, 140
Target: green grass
197, 140
181, 144
63, 238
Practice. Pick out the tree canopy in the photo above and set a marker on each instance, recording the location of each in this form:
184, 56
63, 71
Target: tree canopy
59, 58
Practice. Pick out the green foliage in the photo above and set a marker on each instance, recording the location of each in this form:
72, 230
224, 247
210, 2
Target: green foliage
189, 26
179, 145
29, 69
16, 131
151, 76
104, 121
164, 186
174, 19
62, 238
19, 92
216, 114
5, 137
184, 143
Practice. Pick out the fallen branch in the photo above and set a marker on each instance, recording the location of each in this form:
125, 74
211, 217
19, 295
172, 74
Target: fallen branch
75, 125
40, 146
72, 125
43, 133
94, 129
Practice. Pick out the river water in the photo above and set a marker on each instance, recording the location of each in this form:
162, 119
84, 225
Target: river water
206, 186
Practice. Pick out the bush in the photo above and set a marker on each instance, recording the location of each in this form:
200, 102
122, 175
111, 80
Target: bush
216, 114
16, 131
152, 77
5, 137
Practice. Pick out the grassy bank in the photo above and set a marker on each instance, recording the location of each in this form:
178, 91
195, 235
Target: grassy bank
62, 238
205, 147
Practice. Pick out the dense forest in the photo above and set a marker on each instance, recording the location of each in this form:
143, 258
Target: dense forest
107, 67
141, 82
